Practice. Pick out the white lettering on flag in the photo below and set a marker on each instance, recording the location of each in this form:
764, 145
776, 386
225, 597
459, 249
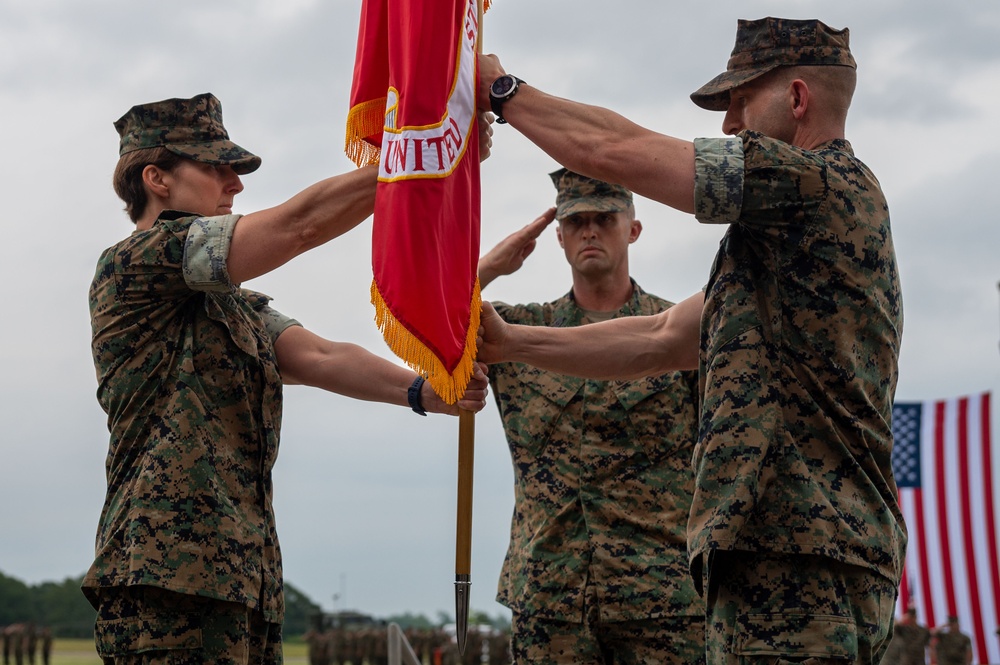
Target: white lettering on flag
434, 151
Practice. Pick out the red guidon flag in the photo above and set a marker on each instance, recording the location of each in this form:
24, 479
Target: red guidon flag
413, 110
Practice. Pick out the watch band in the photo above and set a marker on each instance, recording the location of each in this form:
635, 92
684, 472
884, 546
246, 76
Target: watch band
413, 396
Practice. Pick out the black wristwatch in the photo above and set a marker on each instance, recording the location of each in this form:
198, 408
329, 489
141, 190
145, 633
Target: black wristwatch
502, 91
413, 396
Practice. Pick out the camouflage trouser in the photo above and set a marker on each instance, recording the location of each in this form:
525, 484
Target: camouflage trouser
145, 625
678, 640
774, 608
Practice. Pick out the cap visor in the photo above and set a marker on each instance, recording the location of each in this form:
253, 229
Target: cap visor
591, 204
714, 95
219, 152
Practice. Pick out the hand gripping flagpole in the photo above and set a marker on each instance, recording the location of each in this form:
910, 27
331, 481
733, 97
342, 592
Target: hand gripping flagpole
466, 451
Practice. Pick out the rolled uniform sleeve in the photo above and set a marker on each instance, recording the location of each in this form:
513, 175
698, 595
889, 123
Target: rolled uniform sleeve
718, 180
206, 251
275, 322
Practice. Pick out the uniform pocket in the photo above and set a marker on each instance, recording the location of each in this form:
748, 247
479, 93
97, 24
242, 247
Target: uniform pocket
662, 413
795, 636
147, 632
532, 402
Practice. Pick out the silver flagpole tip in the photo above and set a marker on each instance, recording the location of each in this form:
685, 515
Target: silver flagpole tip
462, 584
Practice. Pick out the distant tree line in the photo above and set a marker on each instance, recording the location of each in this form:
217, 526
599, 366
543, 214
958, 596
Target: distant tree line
59, 605
62, 607
410, 621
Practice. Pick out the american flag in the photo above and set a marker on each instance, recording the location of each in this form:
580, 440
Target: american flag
948, 487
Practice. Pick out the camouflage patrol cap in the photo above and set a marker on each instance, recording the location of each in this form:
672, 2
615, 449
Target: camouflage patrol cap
190, 128
577, 193
769, 43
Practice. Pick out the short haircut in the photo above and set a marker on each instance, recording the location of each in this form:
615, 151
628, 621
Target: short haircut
127, 179
836, 84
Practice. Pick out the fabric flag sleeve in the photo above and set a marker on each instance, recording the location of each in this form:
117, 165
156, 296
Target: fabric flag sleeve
413, 110
368, 89
947, 474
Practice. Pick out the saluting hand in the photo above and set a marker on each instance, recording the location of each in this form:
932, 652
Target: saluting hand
509, 254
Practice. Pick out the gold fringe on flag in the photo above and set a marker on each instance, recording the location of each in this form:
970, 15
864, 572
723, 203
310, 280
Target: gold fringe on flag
363, 120
448, 386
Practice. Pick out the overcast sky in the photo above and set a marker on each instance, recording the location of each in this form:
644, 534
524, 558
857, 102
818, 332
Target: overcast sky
365, 494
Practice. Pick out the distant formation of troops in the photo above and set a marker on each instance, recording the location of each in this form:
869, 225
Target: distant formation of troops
370, 646
22, 642
912, 642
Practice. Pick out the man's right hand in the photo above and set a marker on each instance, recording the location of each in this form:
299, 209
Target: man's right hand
509, 254
490, 70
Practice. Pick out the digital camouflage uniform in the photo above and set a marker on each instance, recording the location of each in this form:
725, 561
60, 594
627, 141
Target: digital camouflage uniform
908, 645
187, 567
794, 520
187, 375
952, 647
603, 483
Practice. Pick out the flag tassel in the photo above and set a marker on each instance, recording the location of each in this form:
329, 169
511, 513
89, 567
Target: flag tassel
363, 120
449, 385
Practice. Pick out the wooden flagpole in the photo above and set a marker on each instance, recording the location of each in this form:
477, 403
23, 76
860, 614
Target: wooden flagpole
463, 531
466, 454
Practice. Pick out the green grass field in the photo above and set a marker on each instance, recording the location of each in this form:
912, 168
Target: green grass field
82, 652
73, 652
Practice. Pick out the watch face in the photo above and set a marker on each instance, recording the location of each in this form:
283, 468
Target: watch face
502, 86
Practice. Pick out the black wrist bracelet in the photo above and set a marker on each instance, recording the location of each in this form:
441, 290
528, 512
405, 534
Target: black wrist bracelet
413, 396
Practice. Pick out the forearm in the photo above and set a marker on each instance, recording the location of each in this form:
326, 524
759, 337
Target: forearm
487, 273
352, 371
625, 348
602, 144
330, 208
267, 239
370, 378
575, 134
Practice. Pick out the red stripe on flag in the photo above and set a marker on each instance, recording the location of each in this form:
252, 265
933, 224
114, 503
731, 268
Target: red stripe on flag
940, 488
904, 602
990, 514
926, 592
966, 504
